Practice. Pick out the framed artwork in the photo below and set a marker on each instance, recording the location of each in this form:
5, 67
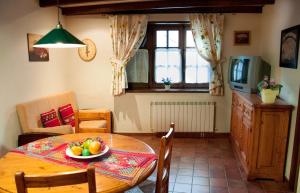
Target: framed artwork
241, 38
289, 47
36, 54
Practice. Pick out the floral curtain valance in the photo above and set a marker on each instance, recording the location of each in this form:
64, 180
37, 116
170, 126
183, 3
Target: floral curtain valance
207, 32
127, 34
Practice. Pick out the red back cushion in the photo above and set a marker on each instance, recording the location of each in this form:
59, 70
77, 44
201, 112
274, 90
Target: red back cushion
67, 114
50, 119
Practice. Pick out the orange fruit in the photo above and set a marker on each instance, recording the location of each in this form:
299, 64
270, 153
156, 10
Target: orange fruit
76, 150
95, 147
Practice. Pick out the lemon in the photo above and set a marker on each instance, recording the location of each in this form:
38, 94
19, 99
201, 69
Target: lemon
76, 150
95, 147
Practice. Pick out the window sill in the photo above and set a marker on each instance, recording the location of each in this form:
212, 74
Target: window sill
172, 90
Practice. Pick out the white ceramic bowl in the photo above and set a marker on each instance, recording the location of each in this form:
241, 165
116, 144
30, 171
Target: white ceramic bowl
70, 154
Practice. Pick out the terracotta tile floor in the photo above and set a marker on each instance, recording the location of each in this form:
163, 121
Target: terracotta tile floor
209, 166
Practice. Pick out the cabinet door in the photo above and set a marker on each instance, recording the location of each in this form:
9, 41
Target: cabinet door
239, 129
233, 117
272, 141
236, 123
233, 123
246, 139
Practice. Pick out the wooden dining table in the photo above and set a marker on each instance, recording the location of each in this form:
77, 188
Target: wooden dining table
13, 162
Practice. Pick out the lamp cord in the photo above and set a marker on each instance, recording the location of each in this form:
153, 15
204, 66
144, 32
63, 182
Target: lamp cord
58, 15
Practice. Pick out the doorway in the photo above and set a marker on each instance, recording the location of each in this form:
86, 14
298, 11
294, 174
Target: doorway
294, 173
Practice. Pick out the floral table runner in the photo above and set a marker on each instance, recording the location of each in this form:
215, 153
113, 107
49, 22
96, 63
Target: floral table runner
123, 165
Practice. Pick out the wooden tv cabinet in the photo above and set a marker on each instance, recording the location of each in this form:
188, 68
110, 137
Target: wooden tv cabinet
259, 134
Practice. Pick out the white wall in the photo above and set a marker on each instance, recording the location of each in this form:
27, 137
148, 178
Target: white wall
282, 15
91, 81
21, 80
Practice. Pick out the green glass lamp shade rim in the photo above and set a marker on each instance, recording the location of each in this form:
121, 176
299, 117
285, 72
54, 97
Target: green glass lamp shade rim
59, 37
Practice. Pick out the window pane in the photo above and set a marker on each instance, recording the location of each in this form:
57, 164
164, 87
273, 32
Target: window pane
137, 68
203, 74
191, 57
168, 64
173, 38
190, 74
161, 38
189, 39
197, 69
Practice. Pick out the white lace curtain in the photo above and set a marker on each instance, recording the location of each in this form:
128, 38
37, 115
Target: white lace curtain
138, 67
127, 33
207, 31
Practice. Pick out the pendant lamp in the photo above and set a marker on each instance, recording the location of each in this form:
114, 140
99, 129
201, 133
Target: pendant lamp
59, 38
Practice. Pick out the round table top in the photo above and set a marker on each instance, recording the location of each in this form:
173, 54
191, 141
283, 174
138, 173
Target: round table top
13, 162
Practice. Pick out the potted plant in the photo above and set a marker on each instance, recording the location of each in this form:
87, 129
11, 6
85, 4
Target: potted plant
167, 83
268, 89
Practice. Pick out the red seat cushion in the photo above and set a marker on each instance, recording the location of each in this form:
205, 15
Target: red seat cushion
50, 119
67, 114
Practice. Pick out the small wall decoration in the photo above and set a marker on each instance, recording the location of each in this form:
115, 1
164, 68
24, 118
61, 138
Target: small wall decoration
36, 54
88, 52
241, 37
289, 47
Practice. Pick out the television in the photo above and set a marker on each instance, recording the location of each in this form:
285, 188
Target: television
245, 72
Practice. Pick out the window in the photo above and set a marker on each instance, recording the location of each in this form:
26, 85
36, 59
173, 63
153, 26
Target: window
169, 51
167, 54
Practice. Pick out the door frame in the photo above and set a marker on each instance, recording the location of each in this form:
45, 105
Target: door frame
294, 173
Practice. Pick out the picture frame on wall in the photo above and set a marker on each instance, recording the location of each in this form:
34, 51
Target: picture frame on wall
241, 38
36, 54
289, 47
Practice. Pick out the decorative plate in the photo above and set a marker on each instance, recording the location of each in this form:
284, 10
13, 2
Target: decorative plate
70, 154
88, 52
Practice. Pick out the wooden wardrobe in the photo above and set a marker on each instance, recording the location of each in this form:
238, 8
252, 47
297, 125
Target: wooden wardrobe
259, 134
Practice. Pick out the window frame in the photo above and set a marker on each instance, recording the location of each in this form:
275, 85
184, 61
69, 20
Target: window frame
150, 44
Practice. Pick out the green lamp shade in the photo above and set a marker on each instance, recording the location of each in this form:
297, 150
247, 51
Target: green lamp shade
59, 38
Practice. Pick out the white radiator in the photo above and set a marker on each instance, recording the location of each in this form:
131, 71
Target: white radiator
188, 116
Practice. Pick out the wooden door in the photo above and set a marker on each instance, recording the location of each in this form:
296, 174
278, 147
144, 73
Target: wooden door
272, 143
296, 152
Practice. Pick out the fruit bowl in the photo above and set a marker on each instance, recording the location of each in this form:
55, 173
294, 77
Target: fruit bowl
70, 154
87, 149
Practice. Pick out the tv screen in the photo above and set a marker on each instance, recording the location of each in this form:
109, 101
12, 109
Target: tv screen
239, 70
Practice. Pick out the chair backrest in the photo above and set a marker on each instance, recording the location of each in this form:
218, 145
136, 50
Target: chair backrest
164, 161
60, 179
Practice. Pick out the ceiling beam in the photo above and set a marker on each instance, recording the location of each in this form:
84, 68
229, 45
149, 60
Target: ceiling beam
46, 3
239, 9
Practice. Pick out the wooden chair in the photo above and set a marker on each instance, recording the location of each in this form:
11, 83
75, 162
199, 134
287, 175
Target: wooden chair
163, 167
93, 121
164, 161
60, 179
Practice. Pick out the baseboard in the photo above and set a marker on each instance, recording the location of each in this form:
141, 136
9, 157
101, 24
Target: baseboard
181, 134
135, 134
